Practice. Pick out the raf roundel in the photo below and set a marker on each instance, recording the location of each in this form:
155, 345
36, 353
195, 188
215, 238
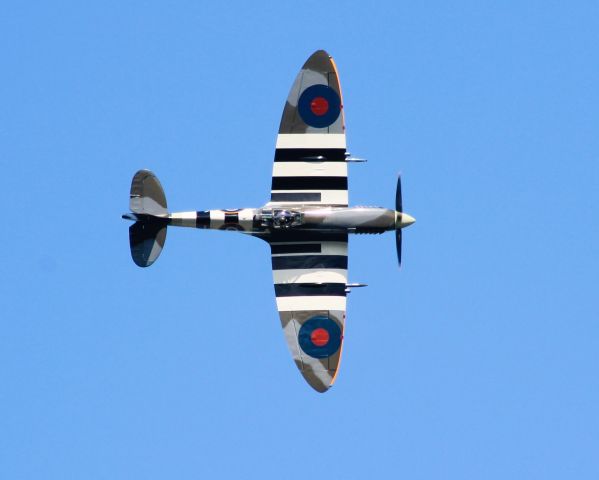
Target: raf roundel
319, 106
320, 337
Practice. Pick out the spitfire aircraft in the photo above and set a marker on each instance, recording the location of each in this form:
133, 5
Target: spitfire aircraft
306, 222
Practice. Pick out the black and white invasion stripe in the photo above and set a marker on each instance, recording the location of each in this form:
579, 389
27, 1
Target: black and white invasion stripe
310, 169
309, 270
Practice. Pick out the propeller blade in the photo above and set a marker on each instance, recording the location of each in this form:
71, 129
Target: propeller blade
398, 245
398, 201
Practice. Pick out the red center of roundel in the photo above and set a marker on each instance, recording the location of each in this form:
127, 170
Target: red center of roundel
319, 106
319, 337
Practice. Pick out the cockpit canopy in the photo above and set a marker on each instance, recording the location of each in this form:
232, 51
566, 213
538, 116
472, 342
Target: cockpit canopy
280, 218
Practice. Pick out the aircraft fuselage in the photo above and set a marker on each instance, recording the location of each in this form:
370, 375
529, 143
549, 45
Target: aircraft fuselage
258, 221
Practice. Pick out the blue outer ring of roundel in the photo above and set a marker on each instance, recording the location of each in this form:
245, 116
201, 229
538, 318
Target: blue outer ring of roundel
334, 337
309, 94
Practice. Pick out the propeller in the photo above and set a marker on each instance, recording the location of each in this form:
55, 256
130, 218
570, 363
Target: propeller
398, 208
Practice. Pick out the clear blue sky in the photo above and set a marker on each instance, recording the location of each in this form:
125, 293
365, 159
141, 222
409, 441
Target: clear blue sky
477, 360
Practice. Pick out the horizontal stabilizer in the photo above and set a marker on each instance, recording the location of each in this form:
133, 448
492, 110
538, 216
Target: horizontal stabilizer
147, 196
148, 204
147, 239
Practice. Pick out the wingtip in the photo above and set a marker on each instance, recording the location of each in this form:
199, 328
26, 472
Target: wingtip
321, 52
320, 381
320, 60
320, 388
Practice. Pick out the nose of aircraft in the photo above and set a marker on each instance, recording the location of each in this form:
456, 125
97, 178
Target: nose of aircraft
405, 220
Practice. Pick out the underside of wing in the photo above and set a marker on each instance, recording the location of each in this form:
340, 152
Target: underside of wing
310, 277
310, 267
309, 165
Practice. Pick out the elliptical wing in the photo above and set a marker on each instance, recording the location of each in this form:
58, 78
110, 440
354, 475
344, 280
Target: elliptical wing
310, 268
309, 164
310, 276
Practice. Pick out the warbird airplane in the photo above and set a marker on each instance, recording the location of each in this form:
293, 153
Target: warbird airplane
306, 222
